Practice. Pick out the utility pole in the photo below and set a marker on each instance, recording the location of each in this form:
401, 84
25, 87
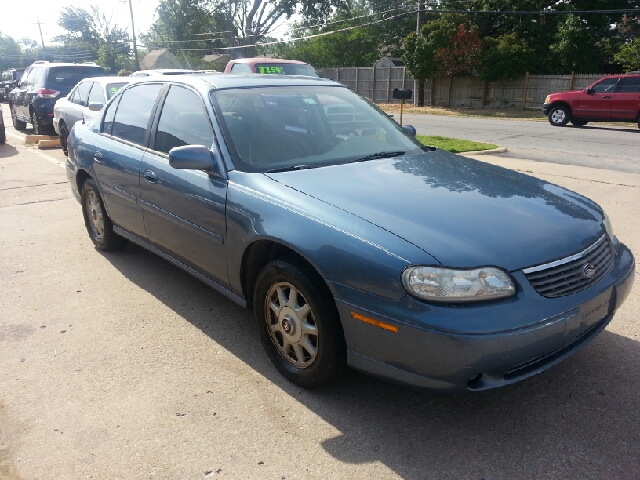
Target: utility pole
41, 38
133, 33
419, 84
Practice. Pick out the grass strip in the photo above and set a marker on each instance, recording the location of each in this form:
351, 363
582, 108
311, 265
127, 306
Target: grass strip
454, 145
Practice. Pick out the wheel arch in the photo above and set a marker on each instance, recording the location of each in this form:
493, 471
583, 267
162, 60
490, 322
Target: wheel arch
262, 252
81, 177
562, 103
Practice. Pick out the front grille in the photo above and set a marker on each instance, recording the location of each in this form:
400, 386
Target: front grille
566, 276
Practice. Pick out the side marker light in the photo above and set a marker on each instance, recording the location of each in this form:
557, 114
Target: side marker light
375, 323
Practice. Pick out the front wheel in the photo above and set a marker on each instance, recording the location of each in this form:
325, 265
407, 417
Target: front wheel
96, 220
559, 116
299, 324
578, 123
64, 138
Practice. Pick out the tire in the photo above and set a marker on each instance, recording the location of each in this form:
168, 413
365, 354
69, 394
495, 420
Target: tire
301, 333
559, 116
38, 129
578, 123
3, 135
17, 124
64, 137
98, 223
638, 122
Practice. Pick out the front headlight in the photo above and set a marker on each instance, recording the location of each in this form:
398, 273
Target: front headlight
607, 225
437, 284
548, 99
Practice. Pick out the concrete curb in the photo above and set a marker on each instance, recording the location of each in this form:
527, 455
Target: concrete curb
493, 151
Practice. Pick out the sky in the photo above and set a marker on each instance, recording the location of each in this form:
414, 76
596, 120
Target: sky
18, 23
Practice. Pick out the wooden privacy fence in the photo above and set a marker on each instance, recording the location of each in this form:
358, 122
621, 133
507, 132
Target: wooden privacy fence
527, 92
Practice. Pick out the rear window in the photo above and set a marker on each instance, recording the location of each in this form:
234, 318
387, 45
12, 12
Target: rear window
286, 69
70, 76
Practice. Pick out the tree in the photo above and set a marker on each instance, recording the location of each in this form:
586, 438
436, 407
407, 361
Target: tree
10, 53
247, 22
462, 55
574, 49
185, 25
507, 56
420, 51
90, 34
629, 55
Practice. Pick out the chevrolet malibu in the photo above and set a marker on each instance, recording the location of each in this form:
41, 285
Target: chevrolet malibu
354, 244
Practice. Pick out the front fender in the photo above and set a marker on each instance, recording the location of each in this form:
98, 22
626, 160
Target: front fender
343, 248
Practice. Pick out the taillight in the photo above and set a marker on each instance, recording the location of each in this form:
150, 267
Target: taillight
47, 93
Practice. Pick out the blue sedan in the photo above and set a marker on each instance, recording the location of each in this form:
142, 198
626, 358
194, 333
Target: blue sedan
354, 244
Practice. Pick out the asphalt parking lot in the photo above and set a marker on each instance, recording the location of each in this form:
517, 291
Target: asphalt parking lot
119, 365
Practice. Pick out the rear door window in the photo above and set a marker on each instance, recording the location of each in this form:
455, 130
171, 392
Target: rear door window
132, 117
81, 94
629, 85
183, 121
97, 94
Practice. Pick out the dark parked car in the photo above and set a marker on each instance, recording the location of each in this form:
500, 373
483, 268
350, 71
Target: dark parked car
9, 80
353, 243
41, 85
615, 98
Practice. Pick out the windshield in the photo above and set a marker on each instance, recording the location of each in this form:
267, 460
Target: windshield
286, 69
113, 88
277, 128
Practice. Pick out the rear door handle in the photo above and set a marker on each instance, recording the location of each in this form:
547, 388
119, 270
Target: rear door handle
150, 176
607, 96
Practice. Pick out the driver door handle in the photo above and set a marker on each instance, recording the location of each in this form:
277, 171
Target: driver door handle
97, 157
607, 96
150, 176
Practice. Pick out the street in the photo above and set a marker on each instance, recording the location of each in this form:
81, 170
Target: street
120, 365
597, 145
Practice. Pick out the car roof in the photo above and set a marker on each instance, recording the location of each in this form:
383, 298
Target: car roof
164, 71
108, 79
42, 63
267, 60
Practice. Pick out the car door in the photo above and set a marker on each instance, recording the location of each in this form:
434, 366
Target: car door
118, 152
78, 101
625, 103
184, 210
597, 103
20, 97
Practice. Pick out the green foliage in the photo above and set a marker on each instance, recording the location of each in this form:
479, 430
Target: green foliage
9, 53
507, 56
574, 49
629, 55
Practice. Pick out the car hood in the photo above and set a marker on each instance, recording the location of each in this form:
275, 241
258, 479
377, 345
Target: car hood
463, 212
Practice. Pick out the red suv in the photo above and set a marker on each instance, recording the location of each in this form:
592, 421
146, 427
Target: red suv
615, 98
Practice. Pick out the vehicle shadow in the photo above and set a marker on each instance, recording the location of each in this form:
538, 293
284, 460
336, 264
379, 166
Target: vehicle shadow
581, 419
7, 150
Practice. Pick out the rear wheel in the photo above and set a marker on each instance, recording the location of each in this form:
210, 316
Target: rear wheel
38, 129
3, 135
578, 123
559, 116
299, 324
97, 221
17, 124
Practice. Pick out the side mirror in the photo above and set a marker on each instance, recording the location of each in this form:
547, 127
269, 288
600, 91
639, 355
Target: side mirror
410, 130
590, 91
95, 106
195, 157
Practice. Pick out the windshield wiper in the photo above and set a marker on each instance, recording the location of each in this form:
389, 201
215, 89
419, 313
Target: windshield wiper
377, 155
289, 169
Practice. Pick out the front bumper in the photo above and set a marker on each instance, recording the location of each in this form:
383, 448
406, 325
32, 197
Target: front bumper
449, 359
545, 109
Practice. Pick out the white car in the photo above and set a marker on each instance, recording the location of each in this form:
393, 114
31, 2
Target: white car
83, 103
161, 71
